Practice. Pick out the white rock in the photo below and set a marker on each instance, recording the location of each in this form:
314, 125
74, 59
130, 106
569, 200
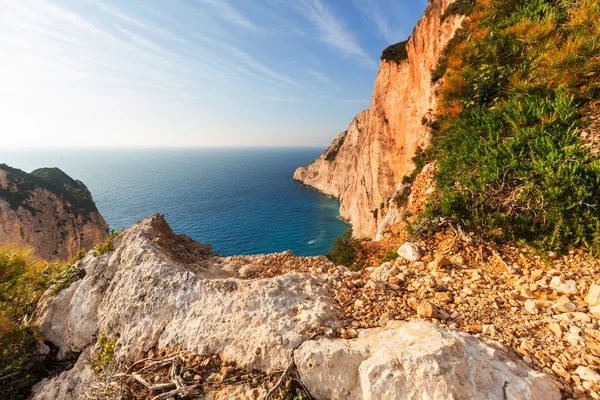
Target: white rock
564, 307
531, 307
568, 287
417, 360
384, 272
595, 311
587, 374
593, 296
410, 251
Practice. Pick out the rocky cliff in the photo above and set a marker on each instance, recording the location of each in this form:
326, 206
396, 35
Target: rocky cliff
49, 211
162, 315
365, 164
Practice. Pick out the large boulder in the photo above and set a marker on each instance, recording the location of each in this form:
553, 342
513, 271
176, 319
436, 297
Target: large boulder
417, 360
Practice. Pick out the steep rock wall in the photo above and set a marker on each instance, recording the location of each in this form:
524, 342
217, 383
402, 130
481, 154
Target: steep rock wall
365, 164
48, 211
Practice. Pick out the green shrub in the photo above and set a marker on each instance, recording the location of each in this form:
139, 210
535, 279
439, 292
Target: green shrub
395, 53
344, 250
62, 276
390, 256
103, 359
18, 269
18, 293
509, 116
459, 7
17, 346
107, 246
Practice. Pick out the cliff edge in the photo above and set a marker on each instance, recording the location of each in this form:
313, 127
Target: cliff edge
50, 211
365, 164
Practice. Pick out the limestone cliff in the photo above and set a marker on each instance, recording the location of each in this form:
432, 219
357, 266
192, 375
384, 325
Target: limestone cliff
365, 164
49, 211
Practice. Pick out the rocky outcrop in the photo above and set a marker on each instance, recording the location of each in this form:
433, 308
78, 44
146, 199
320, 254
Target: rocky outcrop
157, 292
417, 360
365, 164
49, 211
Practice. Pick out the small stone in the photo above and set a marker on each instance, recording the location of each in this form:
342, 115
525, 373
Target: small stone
475, 328
42, 348
426, 310
410, 251
556, 329
587, 374
444, 297
593, 296
536, 275
568, 287
427, 258
225, 372
573, 315
564, 307
440, 262
489, 330
595, 311
412, 303
385, 318
531, 307
560, 370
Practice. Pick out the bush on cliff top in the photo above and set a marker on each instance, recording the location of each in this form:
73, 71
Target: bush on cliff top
107, 246
517, 80
345, 250
396, 52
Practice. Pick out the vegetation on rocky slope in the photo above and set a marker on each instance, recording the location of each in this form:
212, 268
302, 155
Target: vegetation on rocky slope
107, 246
511, 138
395, 53
23, 280
74, 193
346, 251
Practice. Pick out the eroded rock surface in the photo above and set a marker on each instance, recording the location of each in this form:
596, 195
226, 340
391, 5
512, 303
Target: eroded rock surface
160, 291
417, 360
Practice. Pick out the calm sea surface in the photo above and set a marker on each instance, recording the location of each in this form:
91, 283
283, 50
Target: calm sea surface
242, 201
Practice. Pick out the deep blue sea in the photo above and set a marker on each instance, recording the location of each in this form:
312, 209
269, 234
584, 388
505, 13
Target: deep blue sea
242, 201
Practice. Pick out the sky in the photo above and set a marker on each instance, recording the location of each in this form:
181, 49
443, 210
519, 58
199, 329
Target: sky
181, 73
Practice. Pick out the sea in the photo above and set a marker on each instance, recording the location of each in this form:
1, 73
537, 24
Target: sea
242, 201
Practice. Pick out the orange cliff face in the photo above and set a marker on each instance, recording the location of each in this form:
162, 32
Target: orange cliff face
365, 164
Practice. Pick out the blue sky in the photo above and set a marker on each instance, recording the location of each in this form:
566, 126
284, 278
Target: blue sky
190, 72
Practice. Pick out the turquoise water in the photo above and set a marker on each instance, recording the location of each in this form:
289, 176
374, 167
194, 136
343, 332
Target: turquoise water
242, 201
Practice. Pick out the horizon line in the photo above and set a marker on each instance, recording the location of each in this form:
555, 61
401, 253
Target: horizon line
159, 147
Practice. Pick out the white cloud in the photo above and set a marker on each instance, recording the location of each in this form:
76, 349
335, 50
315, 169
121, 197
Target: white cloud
332, 30
355, 101
383, 14
120, 14
228, 13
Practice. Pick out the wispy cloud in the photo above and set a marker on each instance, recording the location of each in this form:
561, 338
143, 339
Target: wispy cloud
230, 14
355, 101
333, 31
256, 65
120, 14
383, 14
